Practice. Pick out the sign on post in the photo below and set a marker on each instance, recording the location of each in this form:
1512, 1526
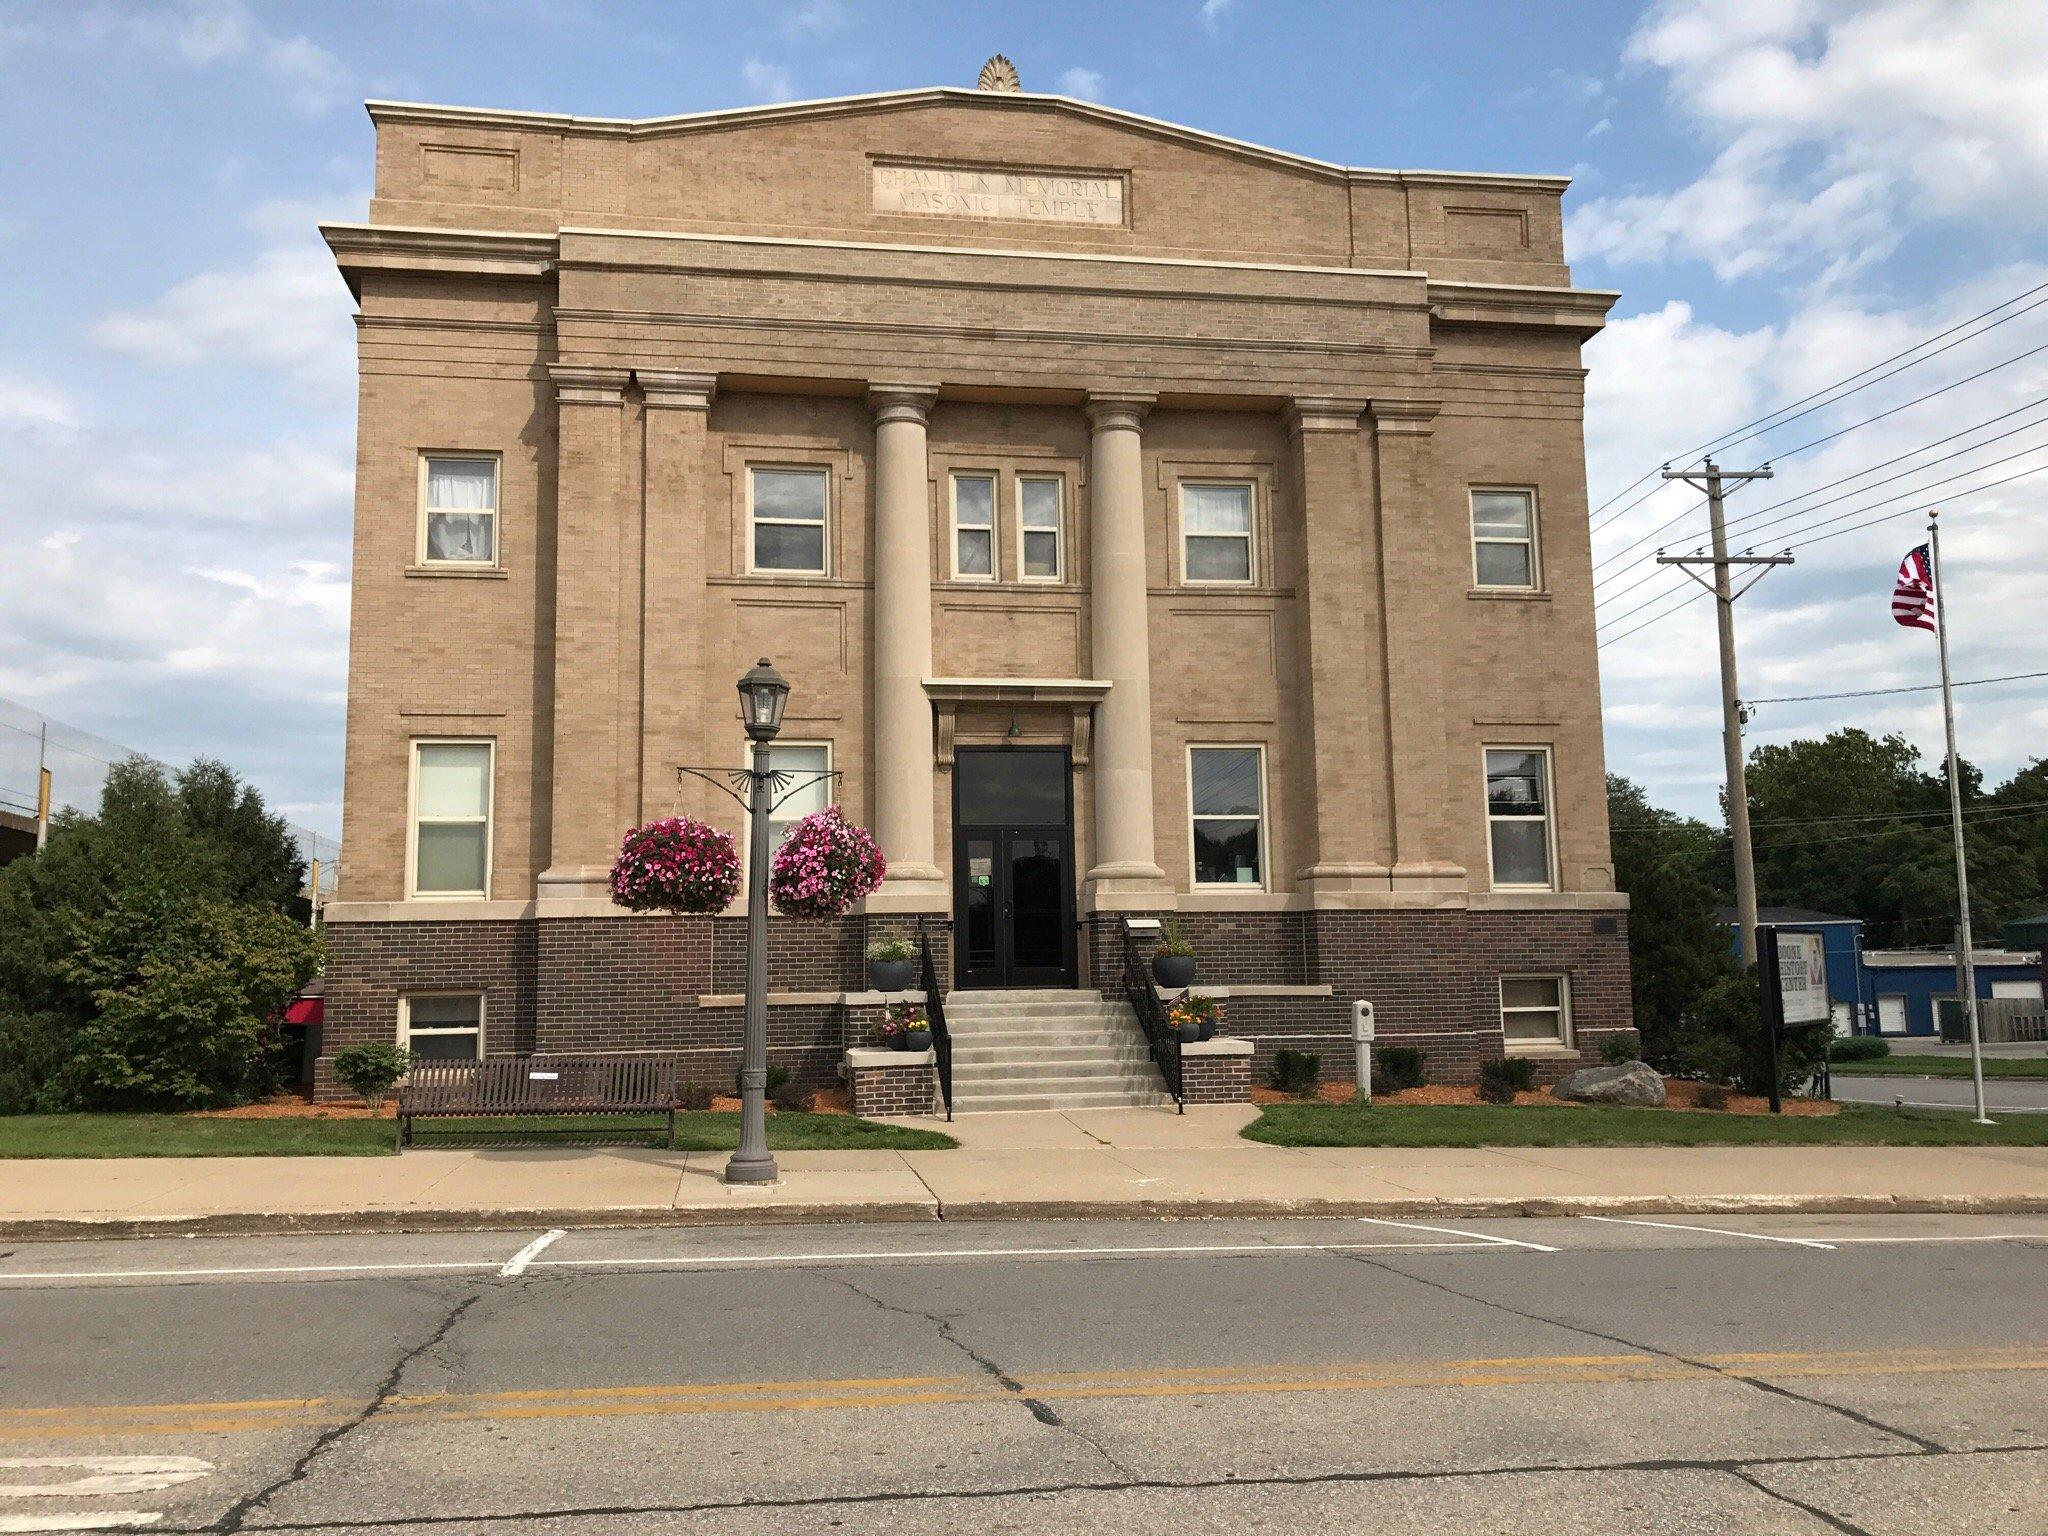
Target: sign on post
1802, 978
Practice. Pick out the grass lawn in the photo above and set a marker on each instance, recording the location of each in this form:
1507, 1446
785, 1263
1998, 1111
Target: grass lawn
1942, 1066
305, 1136
1486, 1125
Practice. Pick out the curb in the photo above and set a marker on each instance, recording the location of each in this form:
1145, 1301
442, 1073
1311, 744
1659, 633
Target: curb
337, 1223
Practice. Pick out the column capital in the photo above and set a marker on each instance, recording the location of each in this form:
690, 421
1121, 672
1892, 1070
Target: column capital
668, 390
1324, 413
902, 402
578, 384
1115, 410
1412, 418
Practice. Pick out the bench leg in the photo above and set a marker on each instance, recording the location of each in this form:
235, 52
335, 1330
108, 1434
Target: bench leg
399, 1121
671, 1127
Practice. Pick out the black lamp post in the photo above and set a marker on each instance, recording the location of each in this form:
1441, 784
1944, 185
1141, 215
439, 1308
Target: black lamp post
763, 693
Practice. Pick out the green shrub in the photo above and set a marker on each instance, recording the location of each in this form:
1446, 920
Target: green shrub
1297, 1072
1505, 1076
1712, 1096
34, 1048
789, 1095
369, 1070
693, 1095
1859, 1048
1174, 941
1395, 1067
1627, 1046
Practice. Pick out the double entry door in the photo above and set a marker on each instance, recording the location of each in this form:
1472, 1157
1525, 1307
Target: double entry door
1013, 867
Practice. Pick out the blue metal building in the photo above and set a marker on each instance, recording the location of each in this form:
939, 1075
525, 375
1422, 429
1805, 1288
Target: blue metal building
1904, 984
1842, 944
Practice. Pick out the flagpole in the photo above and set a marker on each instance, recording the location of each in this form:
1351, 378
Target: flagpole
1955, 816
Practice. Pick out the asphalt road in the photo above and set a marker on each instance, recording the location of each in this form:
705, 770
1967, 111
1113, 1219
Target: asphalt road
1795, 1375
2017, 1095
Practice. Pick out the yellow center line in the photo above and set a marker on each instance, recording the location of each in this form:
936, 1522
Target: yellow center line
855, 1393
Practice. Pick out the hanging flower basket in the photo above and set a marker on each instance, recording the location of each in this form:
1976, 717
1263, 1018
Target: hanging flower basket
676, 865
823, 867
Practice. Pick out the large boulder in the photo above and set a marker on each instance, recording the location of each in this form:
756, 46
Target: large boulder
1632, 1083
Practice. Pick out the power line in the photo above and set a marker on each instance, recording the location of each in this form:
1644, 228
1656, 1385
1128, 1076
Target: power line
1871, 693
1690, 453
1855, 837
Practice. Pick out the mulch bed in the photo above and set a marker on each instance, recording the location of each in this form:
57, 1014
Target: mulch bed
1680, 1095
297, 1106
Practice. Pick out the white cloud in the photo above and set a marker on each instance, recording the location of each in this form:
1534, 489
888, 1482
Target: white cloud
816, 18
1833, 123
1085, 83
1667, 381
1213, 12
768, 82
33, 405
202, 34
285, 309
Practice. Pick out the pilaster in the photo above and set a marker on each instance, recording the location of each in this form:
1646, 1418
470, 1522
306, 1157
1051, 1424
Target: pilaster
678, 693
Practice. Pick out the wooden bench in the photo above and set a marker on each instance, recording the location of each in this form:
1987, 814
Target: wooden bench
537, 1085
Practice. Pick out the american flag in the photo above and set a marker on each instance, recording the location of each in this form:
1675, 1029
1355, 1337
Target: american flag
1913, 597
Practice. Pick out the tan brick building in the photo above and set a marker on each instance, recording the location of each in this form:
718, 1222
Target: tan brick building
1147, 522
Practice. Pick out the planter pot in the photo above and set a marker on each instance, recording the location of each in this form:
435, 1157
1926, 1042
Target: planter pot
1207, 1030
898, 1042
1174, 970
1190, 1033
917, 1040
891, 975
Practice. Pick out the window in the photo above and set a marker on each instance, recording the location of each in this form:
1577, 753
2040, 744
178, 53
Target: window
1039, 527
787, 507
804, 761
1504, 539
1535, 1010
974, 527
459, 517
1226, 797
1216, 533
446, 1026
451, 814
1518, 816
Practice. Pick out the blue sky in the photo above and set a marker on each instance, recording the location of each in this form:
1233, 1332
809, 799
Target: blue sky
1785, 191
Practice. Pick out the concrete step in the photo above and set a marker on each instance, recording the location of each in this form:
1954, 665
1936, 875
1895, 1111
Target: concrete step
996, 1104
1051, 1075
1059, 1049
986, 1017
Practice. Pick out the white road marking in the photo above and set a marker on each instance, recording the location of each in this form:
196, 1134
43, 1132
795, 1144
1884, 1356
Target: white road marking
103, 1474
1959, 1237
516, 1265
26, 1277
800, 1260
1481, 1237
1679, 1226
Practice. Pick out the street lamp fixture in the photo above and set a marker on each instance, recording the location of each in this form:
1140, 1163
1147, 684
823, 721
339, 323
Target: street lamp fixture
763, 694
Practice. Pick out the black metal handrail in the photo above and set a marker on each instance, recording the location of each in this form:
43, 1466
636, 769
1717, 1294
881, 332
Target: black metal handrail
1160, 1036
935, 1014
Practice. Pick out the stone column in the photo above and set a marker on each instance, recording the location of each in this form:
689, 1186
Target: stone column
1416, 579
588, 755
904, 757
1125, 873
1343, 720
680, 698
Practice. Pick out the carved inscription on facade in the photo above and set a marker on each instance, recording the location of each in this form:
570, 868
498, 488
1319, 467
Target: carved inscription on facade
1051, 197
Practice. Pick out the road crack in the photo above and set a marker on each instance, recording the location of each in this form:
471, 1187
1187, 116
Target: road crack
1921, 1442
1040, 1410
237, 1515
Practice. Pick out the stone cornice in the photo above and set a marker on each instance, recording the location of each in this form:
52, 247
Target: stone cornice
382, 112
1116, 410
1583, 310
360, 248
1412, 418
576, 384
667, 390
1315, 413
902, 402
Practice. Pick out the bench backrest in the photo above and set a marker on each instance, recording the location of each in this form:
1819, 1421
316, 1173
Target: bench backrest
541, 1084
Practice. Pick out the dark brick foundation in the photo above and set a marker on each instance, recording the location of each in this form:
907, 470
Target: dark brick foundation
908, 1089
635, 983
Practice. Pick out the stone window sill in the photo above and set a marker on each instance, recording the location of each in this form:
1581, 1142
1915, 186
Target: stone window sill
1542, 1050
1507, 595
459, 572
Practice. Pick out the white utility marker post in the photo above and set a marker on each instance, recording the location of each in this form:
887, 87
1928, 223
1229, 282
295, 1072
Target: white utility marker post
1955, 816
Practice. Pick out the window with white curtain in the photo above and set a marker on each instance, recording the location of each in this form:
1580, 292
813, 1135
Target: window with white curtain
1039, 528
1518, 816
442, 1026
1216, 533
974, 527
451, 816
459, 516
786, 508
1504, 539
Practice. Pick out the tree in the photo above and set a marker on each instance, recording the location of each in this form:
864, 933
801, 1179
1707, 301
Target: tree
135, 967
260, 857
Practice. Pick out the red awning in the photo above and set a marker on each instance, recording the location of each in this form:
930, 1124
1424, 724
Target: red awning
305, 1010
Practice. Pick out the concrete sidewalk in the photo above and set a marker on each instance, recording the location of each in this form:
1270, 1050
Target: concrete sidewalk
1081, 1163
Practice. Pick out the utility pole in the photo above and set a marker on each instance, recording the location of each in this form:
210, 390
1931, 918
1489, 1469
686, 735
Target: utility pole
43, 787
1964, 949
1710, 479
